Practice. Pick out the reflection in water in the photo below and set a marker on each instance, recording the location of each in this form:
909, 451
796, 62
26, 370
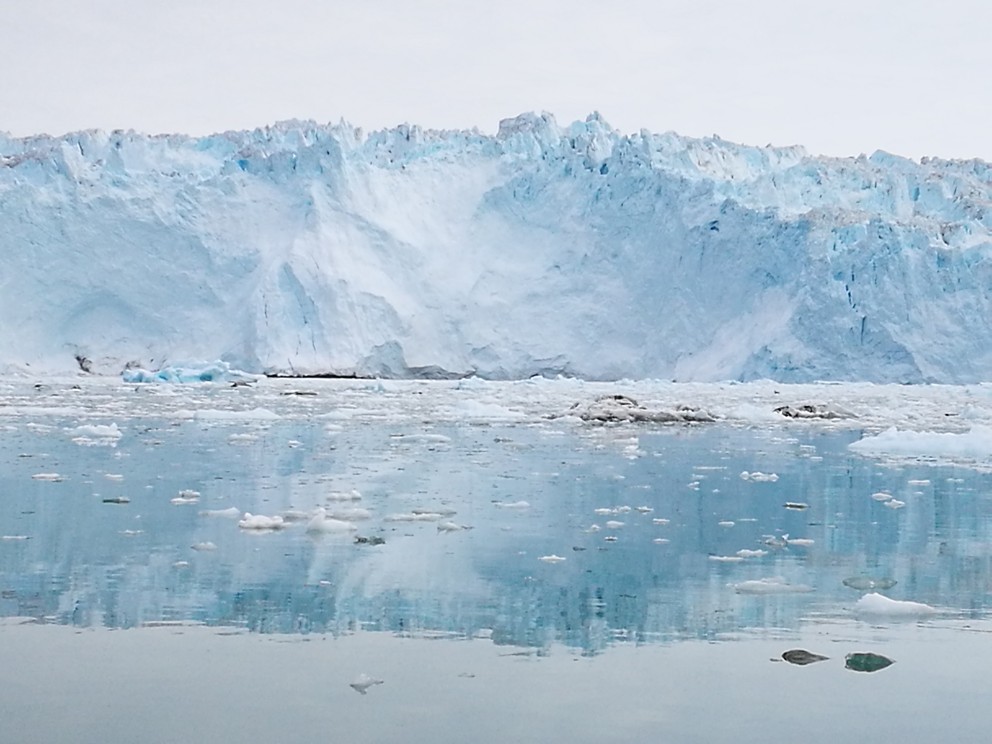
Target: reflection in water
662, 537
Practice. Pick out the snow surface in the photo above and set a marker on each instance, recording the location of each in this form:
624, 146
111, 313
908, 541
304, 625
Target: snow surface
543, 250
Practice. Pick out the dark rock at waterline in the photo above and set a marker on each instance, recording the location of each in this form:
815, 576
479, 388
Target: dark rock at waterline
866, 662
802, 657
869, 583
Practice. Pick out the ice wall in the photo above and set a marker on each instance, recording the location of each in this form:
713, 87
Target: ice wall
312, 249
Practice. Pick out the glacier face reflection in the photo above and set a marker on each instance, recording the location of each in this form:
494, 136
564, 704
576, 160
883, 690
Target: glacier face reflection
668, 573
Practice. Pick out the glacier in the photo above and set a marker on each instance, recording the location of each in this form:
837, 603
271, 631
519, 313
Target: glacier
307, 249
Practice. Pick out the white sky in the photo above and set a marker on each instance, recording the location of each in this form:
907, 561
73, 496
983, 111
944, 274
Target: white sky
839, 76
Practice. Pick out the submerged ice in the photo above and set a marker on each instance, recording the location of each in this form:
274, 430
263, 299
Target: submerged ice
542, 250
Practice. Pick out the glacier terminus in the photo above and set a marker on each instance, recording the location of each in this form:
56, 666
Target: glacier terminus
306, 249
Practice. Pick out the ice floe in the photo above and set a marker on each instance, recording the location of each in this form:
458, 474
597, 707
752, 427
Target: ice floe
187, 372
321, 522
974, 444
771, 585
880, 605
363, 682
232, 512
261, 522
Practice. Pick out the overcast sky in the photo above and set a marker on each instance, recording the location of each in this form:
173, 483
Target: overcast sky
840, 76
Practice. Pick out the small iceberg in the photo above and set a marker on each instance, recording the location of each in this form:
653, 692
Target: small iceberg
875, 604
261, 523
106, 435
186, 496
50, 477
771, 585
231, 512
363, 682
322, 523
187, 372
552, 558
449, 526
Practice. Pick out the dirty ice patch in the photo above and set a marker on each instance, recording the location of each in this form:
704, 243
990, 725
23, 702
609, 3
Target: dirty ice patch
972, 445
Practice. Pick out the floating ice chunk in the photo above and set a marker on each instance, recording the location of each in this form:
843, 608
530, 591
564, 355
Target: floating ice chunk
877, 604
130, 533
745, 553
352, 495
363, 682
894, 504
204, 546
725, 523
421, 438
449, 526
919, 482
323, 523
623, 509
614, 524
645, 509
117, 500
512, 504
771, 585
231, 512
726, 558
799, 542
15, 538
413, 517
774, 541
603, 511
242, 439
973, 444
350, 514
551, 558
261, 522
186, 372
50, 477
594, 528
881, 496
659, 520
106, 435
796, 505
759, 477
443, 511
113, 476
660, 540
186, 496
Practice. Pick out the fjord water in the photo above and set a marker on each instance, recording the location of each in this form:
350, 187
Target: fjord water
158, 622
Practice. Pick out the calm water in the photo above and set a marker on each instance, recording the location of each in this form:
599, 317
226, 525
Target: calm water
150, 621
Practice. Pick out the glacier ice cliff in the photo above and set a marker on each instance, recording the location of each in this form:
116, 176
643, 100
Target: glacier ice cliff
311, 249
